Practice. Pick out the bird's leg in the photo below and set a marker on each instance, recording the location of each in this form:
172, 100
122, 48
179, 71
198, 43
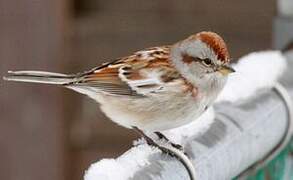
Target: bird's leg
162, 136
149, 140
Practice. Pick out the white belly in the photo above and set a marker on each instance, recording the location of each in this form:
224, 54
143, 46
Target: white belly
153, 114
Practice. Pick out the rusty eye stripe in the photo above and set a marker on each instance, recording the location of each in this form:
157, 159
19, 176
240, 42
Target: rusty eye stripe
189, 59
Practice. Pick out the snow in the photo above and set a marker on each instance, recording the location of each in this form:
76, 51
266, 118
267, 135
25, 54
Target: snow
254, 72
123, 167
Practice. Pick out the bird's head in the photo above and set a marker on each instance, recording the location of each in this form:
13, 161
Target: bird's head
202, 56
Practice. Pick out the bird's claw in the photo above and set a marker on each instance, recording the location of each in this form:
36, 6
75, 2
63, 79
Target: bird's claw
177, 146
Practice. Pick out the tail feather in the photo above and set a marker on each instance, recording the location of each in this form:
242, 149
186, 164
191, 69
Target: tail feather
39, 77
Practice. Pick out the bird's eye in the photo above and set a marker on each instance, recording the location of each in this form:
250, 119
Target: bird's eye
207, 62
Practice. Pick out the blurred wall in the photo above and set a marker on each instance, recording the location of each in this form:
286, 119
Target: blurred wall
32, 141
52, 133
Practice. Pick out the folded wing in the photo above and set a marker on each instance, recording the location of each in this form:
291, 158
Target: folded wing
144, 73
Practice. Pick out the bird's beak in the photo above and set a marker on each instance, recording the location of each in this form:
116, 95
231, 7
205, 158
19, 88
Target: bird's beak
225, 70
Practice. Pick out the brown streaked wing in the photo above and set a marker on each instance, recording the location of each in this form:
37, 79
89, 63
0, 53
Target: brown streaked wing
124, 76
106, 80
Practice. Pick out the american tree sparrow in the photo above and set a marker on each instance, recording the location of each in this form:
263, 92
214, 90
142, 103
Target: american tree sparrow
154, 89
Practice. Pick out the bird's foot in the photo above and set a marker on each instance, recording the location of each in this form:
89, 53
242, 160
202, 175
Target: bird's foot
151, 142
148, 140
162, 136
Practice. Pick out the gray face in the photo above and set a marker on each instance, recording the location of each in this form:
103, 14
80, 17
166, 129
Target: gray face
200, 67
197, 63
205, 73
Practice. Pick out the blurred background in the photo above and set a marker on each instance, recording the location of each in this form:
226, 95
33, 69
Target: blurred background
48, 132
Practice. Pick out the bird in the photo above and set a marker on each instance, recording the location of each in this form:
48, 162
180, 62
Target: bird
153, 89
